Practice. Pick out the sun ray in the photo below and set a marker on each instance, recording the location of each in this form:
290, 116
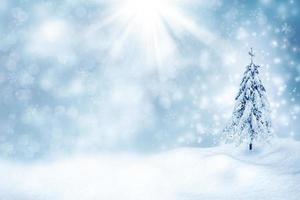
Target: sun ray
152, 28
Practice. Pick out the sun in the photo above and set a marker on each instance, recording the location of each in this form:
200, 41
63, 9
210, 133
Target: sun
145, 11
145, 16
143, 22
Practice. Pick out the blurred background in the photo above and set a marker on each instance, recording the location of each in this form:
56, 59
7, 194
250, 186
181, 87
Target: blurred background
87, 76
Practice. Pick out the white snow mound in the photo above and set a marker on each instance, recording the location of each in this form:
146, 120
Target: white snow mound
217, 173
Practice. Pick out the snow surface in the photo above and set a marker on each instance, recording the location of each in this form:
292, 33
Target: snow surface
223, 172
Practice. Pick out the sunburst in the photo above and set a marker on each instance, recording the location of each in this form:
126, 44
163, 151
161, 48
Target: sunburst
154, 26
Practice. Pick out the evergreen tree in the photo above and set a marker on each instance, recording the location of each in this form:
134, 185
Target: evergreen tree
251, 116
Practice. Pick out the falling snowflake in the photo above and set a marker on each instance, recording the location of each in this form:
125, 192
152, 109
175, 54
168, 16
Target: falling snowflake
286, 29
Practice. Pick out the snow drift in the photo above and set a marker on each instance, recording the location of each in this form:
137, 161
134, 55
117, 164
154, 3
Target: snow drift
182, 174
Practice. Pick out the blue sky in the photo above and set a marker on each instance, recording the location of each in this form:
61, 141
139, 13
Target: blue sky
139, 75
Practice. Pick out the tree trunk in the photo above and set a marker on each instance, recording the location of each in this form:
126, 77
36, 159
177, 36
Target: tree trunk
250, 146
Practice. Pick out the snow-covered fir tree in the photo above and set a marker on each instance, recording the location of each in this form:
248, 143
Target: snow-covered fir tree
251, 116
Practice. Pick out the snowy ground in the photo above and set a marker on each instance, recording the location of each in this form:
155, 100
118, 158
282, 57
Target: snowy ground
182, 174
